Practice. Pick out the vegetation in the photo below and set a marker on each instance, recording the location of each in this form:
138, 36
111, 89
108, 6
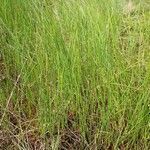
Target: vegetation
74, 74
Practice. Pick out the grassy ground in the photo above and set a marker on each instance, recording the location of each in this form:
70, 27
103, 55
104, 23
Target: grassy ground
74, 75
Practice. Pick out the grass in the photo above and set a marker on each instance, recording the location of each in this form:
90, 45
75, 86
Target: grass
74, 74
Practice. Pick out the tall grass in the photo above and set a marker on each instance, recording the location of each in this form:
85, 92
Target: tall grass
88, 58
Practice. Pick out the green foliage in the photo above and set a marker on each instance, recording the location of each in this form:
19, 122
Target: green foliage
86, 57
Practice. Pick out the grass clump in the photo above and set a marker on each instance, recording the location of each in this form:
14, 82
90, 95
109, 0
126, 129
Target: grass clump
74, 74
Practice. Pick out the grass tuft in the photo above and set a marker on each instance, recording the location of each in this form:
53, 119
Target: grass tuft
74, 74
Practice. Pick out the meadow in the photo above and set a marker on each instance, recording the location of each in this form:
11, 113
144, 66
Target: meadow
74, 75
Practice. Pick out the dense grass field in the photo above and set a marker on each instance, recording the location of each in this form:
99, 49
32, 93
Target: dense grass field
74, 75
